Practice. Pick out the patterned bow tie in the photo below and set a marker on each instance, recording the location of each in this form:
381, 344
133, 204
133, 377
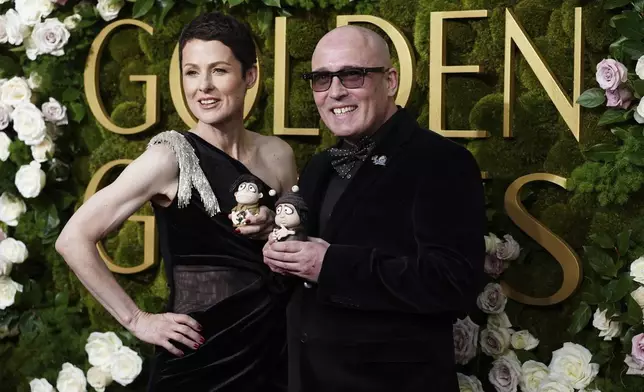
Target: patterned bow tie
344, 159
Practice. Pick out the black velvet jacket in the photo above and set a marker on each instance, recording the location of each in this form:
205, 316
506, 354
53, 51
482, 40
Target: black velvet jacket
406, 256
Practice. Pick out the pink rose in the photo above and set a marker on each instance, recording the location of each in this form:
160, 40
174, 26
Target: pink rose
620, 97
2, 235
637, 350
610, 74
465, 340
493, 266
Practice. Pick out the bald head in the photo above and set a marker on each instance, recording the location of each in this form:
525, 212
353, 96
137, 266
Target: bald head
370, 46
355, 64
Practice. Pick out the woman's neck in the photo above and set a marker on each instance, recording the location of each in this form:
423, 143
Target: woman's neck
231, 137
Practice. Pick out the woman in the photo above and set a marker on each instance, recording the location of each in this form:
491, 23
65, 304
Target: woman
226, 328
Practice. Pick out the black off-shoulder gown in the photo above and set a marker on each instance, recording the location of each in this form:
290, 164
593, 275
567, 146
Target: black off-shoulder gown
218, 277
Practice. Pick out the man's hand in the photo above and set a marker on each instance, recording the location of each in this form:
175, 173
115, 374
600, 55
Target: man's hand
299, 258
258, 226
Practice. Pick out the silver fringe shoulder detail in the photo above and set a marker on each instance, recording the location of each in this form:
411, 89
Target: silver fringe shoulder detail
190, 173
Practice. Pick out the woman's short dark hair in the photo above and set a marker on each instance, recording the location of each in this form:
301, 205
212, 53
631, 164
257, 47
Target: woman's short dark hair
215, 26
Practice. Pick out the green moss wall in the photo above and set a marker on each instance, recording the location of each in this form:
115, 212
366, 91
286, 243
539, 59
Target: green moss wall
541, 143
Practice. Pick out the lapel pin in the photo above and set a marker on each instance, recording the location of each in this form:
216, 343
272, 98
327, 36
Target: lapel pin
379, 160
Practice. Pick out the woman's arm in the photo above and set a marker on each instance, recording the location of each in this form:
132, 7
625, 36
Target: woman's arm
154, 173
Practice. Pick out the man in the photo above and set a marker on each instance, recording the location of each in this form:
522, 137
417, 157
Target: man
400, 213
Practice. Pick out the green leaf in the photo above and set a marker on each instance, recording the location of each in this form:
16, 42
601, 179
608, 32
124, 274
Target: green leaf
634, 49
627, 339
612, 116
264, 19
524, 356
604, 354
602, 152
610, 4
600, 261
592, 98
62, 299
592, 294
634, 312
623, 241
620, 133
638, 5
603, 240
9, 68
616, 49
166, 6
71, 94
233, 3
32, 294
615, 290
141, 8
638, 86
78, 111
580, 318
636, 158
629, 25
272, 3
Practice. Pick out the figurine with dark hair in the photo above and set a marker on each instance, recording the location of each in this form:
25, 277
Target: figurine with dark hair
291, 216
247, 189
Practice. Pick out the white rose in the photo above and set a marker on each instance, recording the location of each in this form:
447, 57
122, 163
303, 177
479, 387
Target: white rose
508, 250
639, 68
34, 80
637, 267
98, 378
41, 385
495, 342
71, 379
14, 30
54, 112
13, 251
49, 37
126, 366
523, 340
4, 36
5, 142
30, 180
554, 386
499, 321
533, 373
72, 21
29, 124
571, 365
8, 290
11, 208
491, 243
638, 296
465, 340
41, 151
607, 329
468, 383
492, 300
637, 117
505, 374
5, 115
31, 11
101, 347
109, 9
15, 91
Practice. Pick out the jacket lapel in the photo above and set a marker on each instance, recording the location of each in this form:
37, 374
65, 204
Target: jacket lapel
313, 184
370, 171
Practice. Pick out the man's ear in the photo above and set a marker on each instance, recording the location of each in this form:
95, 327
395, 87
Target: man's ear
392, 81
251, 76
261, 195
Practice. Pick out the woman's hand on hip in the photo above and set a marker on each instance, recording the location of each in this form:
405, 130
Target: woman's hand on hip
164, 328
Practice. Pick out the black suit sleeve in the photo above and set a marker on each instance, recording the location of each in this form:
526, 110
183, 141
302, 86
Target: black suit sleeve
448, 221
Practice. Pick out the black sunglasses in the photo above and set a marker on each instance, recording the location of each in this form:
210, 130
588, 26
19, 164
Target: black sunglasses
349, 77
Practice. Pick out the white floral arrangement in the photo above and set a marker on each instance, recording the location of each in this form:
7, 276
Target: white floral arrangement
570, 368
111, 361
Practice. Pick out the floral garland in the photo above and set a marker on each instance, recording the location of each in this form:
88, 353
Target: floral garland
571, 367
111, 362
